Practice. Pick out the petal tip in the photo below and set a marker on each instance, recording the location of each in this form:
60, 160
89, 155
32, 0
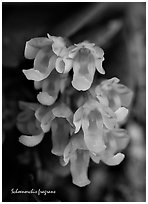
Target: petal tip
81, 183
45, 99
31, 141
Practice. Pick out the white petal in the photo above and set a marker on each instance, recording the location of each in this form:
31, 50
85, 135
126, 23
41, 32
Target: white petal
46, 121
113, 80
121, 138
62, 111
115, 160
68, 64
98, 64
40, 112
46, 127
109, 118
101, 96
45, 99
98, 52
73, 51
51, 64
121, 114
120, 88
30, 51
37, 75
67, 153
94, 139
77, 126
34, 45
77, 119
95, 158
59, 65
40, 42
60, 136
76, 142
126, 98
31, 141
82, 79
45, 61
79, 167
58, 45
33, 74
81, 83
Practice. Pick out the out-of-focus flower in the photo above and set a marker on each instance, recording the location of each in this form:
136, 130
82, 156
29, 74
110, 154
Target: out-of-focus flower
54, 84
29, 125
94, 119
35, 120
42, 50
59, 120
86, 58
113, 94
79, 155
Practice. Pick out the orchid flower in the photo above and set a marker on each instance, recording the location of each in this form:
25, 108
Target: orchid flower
113, 94
42, 51
86, 58
115, 141
94, 118
77, 153
83, 58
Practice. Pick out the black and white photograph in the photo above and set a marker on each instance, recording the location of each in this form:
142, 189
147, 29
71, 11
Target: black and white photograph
73, 101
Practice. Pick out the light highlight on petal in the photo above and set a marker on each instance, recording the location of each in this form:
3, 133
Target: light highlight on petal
31, 141
45, 99
121, 114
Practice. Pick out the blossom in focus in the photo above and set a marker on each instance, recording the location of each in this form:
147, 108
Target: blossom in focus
49, 53
29, 125
42, 51
54, 84
87, 57
94, 119
77, 153
113, 94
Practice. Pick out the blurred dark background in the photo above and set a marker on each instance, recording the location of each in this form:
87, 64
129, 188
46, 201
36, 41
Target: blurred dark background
119, 28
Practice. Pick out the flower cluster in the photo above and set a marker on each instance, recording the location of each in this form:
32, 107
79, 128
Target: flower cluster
85, 125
